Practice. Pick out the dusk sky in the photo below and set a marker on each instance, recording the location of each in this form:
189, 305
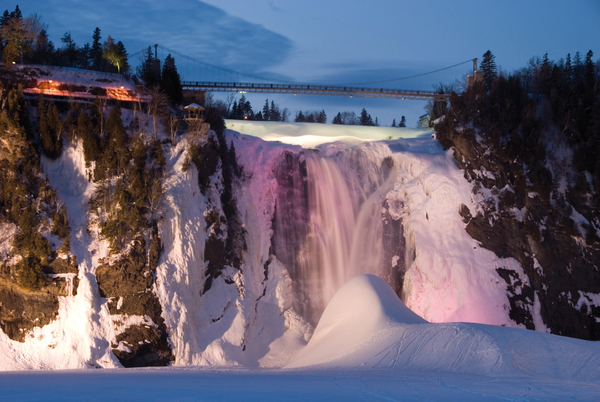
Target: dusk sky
328, 41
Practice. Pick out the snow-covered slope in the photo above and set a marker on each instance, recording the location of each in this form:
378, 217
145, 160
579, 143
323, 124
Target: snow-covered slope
365, 325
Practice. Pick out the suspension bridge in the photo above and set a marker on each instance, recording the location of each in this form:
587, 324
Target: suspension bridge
198, 75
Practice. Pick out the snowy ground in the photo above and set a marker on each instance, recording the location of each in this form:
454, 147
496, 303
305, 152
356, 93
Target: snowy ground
375, 350
284, 385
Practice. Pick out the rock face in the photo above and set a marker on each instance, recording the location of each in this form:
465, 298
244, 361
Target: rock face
535, 208
22, 310
128, 286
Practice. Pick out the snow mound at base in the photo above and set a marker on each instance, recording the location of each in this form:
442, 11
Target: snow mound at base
364, 306
367, 326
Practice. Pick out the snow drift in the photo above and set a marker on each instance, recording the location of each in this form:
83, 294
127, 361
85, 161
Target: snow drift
366, 325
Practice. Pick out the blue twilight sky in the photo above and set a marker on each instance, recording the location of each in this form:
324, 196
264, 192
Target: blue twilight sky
326, 41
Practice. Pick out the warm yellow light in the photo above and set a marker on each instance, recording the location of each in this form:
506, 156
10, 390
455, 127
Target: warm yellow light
50, 81
122, 87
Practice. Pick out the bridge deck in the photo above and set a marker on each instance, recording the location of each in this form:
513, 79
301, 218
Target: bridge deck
313, 90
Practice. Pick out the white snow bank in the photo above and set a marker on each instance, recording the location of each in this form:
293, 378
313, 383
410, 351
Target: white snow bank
310, 135
367, 326
360, 309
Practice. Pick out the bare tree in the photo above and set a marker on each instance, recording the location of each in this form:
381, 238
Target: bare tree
100, 105
197, 128
221, 107
230, 99
209, 100
158, 106
174, 124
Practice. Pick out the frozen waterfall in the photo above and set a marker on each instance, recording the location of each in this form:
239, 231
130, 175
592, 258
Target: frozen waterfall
331, 224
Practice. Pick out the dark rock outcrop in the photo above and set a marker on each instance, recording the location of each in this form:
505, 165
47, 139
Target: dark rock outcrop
526, 213
128, 286
22, 310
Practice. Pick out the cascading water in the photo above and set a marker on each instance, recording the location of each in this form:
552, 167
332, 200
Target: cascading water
331, 225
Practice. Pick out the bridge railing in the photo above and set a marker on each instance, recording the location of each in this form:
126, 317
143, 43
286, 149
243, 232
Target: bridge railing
297, 86
332, 90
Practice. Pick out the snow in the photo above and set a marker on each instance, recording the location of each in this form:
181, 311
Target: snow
587, 299
49, 79
367, 326
310, 135
269, 385
368, 344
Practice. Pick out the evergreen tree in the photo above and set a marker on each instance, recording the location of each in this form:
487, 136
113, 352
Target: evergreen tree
115, 54
84, 56
321, 117
266, 112
114, 124
147, 73
544, 76
488, 67
234, 112
590, 73
568, 69
18, 110
300, 117
5, 17
274, 113
124, 61
402, 122
338, 119
17, 13
69, 52
394, 123
171, 81
10, 54
96, 50
43, 50
91, 143
365, 118
13, 37
50, 129
70, 123
577, 69
245, 109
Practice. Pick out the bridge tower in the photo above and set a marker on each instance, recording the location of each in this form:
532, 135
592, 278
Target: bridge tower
156, 63
476, 77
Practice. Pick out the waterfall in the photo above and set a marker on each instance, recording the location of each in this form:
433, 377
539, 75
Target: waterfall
330, 225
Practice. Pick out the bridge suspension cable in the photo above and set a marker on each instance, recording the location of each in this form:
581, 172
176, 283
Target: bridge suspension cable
227, 70
281, 81
416, 75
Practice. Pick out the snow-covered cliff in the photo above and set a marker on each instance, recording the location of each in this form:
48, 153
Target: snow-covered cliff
389, 208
